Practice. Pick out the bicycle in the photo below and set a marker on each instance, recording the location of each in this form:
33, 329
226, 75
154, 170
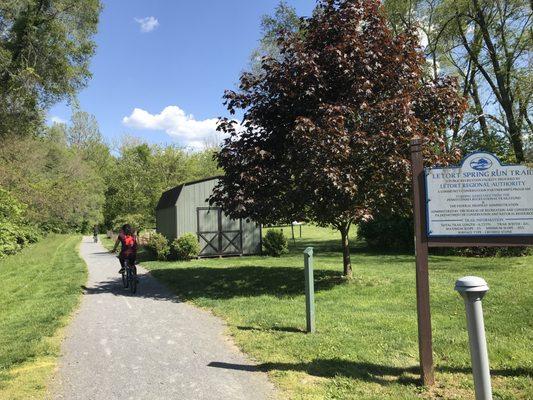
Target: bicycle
129, 276
95, 238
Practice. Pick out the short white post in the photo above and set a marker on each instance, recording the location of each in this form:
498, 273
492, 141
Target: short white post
472, 289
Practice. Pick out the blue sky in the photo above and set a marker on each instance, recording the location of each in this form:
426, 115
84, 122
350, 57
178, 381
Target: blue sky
162, 66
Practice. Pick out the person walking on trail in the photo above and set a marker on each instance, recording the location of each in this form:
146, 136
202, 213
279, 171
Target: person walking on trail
128, 251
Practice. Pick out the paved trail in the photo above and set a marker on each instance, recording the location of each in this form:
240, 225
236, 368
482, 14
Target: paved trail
148, 345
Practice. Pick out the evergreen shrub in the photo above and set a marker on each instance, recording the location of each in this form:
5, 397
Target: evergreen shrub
275, 243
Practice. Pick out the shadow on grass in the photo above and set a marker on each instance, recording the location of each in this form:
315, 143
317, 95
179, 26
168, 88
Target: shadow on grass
220, 283
323, 246
333, 248
144, 255
224, 283
289, 329
507, 372
330, 368
363, 371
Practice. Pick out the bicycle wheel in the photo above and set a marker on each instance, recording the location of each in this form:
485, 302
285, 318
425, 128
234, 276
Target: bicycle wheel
125, 274
133, 280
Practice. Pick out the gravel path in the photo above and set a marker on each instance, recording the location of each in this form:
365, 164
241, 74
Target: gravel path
148, 345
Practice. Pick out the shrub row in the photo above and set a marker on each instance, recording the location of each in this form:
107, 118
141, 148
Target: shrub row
185, 247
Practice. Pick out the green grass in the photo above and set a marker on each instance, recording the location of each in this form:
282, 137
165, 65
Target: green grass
39, 289
366, 341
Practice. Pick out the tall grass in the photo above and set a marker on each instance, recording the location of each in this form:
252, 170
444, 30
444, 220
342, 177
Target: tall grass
39, 288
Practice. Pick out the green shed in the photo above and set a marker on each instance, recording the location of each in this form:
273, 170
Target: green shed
185, 209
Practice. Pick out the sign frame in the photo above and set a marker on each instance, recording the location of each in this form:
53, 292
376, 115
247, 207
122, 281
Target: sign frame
422, 244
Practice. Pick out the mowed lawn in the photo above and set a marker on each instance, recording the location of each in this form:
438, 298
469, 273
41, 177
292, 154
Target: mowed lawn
366, 341
40, 287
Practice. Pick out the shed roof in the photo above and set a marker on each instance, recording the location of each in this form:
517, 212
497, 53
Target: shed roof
170, 197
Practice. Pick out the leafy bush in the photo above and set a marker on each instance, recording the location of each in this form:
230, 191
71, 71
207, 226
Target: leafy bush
388, 232
14, 238
158, 246
31, 234
14, 231
275, 243
10, 208
9, 239
186, 247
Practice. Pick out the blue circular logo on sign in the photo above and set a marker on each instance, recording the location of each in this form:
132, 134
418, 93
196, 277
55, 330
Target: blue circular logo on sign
480, 163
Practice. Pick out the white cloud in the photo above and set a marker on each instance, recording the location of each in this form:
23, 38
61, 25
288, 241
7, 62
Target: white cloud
57, 120
147, 24
189, 131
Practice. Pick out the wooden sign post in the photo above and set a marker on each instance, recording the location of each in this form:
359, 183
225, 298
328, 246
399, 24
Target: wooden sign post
425, 349
479, 203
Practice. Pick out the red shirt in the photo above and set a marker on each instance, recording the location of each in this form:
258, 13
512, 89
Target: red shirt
129, 249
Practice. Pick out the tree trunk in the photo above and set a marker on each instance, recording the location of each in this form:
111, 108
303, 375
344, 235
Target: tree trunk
479, 110
514, 134
345, 230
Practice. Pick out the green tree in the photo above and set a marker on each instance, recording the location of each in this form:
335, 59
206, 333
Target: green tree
142, 172
83, 130
63, 192
57, 132
487, 44
131, 185
202, 164
45, 49
501, 57
283, 21
83, 136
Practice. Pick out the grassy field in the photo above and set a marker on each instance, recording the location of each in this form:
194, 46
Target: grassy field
366, 341
39, 289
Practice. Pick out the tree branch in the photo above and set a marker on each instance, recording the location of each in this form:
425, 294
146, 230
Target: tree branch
476, 61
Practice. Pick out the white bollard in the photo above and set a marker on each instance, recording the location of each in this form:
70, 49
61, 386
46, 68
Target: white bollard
472, 289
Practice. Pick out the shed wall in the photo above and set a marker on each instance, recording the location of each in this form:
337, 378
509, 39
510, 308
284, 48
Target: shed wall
166, 222
192, 197
251, 238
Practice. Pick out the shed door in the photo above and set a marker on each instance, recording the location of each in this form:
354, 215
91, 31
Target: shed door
217, 233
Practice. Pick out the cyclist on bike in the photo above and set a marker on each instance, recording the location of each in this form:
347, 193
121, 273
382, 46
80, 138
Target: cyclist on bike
95, 233
128, 251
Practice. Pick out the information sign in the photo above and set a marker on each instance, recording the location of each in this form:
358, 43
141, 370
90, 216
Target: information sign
481, 197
